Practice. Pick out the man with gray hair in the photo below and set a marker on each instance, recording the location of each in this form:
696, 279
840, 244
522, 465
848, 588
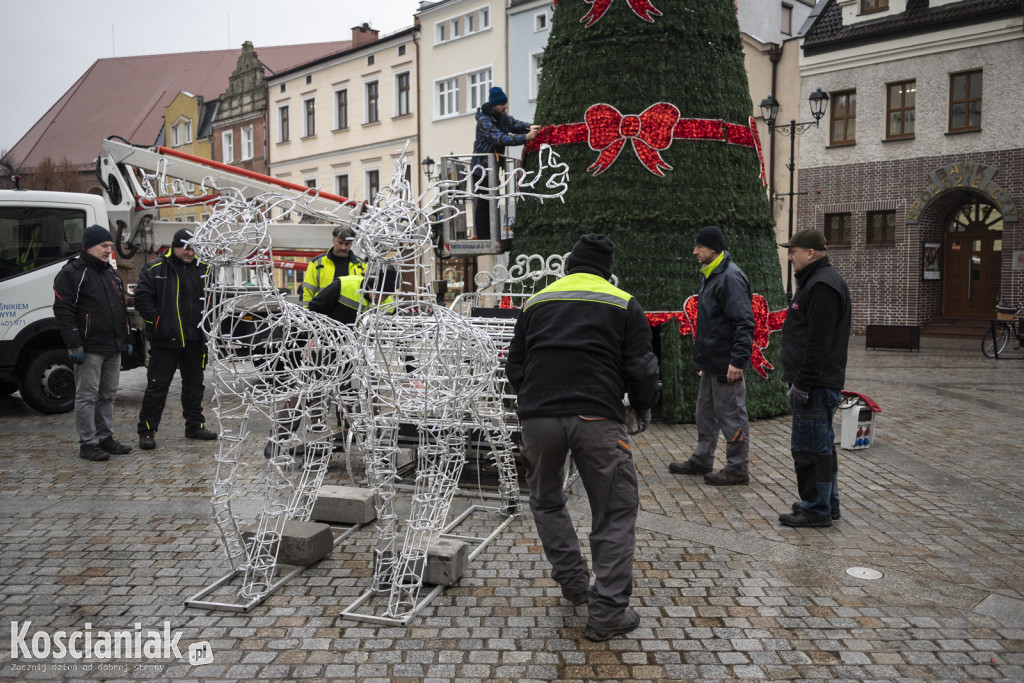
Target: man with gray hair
338, 261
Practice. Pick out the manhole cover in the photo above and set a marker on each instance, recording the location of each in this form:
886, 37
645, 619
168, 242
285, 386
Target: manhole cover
864, 573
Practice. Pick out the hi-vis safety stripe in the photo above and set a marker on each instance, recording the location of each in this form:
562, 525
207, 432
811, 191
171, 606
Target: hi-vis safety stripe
578, 295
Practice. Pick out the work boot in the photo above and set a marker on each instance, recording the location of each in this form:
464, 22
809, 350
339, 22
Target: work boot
91, 451
688, 467
146, 441
630, 620
726, 478
577, 596
202, 433
799, 507
802, 519
112, 446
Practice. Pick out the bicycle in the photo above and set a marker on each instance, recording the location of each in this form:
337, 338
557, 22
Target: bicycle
994, 341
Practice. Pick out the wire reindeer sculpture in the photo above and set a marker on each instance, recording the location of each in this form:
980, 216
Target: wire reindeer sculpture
408, 363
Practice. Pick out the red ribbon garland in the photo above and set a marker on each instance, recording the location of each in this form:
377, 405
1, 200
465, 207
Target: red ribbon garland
606, 130
765, 322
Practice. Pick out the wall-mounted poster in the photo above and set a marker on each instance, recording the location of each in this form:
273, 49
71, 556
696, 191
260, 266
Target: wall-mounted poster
930, 257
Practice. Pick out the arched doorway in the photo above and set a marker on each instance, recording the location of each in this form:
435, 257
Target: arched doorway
973, 260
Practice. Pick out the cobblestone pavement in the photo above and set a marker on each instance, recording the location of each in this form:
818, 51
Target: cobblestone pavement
936, 505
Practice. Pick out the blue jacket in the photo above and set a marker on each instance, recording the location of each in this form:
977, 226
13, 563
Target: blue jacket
494, 133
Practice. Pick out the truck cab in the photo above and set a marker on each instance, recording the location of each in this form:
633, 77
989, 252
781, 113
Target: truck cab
39, 232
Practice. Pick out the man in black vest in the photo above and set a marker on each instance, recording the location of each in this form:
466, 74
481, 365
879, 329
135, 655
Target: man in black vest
815, 338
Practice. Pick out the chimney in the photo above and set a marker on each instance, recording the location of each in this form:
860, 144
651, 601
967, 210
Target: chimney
361, 35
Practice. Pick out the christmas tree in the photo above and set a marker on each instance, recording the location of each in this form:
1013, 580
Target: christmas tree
647, 102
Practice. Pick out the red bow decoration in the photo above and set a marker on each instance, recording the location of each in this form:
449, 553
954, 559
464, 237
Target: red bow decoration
765, 322
651, 132
642, 8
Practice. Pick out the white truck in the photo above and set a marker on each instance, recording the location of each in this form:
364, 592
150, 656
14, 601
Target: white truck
40, 231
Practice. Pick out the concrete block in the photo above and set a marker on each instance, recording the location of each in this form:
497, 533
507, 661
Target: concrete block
446, 561
344, 505
302, 543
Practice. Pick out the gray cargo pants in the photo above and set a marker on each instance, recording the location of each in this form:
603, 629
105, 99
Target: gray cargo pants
601, 452
722, 407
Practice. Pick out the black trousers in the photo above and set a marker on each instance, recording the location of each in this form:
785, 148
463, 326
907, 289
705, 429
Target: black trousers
481, 209
163, 362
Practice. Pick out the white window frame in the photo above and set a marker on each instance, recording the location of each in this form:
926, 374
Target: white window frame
309, 182
366, 100
348, 109
366, 182
284, 123
479, 84
348, 181
305, 118
248, 143
441, 32
181, 132
536, 68
398, 94
540, 22
227, 139
451, 93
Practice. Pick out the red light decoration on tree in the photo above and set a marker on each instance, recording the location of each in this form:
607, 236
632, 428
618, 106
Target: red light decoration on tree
642, 8
606, 130
765, 322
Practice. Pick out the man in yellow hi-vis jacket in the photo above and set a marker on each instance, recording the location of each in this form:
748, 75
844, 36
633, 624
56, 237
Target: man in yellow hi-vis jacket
579, 345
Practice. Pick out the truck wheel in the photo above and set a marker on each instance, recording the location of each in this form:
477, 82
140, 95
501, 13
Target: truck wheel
48, 382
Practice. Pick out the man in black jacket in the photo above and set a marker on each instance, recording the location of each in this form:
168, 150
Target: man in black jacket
815, 340
578, 346
725, 332
170, 297
92, 316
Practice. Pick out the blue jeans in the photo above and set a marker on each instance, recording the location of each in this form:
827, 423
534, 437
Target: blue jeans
96, 380
813, 444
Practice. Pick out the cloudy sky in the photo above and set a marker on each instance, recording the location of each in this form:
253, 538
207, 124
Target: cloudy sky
49, 44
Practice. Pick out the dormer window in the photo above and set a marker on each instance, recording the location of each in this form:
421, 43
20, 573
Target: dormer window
181, 132
869, 6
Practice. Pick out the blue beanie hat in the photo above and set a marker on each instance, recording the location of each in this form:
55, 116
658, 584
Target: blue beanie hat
95, 234
497, 96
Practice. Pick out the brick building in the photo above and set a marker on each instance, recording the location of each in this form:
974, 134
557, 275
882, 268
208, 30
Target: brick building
917, 181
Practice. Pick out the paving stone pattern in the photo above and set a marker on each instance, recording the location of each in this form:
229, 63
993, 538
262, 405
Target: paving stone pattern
936, 505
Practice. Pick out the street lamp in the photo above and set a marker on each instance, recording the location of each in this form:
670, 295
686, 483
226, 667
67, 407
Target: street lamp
428, 168
818, 101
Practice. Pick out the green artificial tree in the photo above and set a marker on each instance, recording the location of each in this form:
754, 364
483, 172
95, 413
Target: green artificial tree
663, 83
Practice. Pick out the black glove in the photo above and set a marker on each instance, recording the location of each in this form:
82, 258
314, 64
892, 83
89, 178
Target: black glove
643, 421
76, 354
797, 396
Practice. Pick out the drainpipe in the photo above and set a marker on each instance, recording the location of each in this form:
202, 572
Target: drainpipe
774, 56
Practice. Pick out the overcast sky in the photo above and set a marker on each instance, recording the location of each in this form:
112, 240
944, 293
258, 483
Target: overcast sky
49, 44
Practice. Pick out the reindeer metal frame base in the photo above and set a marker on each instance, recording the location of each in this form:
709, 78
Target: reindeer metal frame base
290, 571
424, 600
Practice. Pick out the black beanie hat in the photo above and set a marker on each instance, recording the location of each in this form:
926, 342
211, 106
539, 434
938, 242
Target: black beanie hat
95, 234
181, 237
383, 282
592, 253
710, 236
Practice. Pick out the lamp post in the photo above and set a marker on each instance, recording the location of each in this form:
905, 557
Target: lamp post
818, 101
428, 168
